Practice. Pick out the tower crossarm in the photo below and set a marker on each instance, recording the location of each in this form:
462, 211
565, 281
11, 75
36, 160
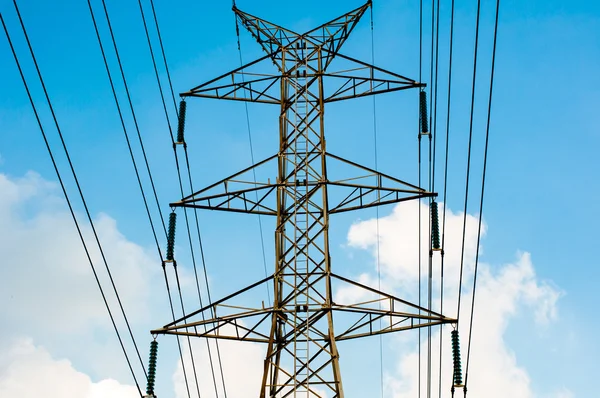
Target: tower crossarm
356, 187
364, 197
360, 187
375, 312
245, 83
259, 198
371, 312
239, 192
360, 79
251, 201
372, 323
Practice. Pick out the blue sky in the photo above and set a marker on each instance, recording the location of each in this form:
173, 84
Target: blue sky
540, 192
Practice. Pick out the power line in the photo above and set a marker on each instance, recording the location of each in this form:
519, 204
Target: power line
121, 118
462, 254
485, 157
149, 173
419, 184
181, 190
378, 197
187, 386
434, 62
62, 185
446, 185
89, 217
435, 95
212, 369
135, 122
162, 49
434, 156
127, 138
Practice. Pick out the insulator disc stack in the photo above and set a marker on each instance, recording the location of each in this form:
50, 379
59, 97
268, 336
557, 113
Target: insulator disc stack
171, 235
435, 227
423, 112
181, 122
152, 368
456, 358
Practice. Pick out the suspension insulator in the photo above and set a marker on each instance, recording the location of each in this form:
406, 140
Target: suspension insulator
423, 112
171, 235
152, 368
435, 227
181, 123
456, 358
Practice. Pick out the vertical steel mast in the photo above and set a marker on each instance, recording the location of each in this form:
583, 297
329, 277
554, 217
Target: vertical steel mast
302, 356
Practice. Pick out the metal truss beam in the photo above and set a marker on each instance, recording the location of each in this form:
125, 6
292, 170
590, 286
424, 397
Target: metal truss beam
381, 313
367, 188
357, 79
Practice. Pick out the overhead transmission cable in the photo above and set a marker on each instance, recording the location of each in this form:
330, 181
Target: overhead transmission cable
182, 193
128, 141
185, 211
485, 158
462, 255
71, 210
433, 156
419, 184
468, 174
121, 118
445, 188
162, 49
195, 213
375, 153
435, 15
79, 189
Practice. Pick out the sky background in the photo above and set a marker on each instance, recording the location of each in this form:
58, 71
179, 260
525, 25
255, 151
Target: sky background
536, 300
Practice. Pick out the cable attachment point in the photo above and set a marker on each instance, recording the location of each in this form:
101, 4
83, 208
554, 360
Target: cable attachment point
171, 236
456, 357
181, 122
423, 112
435, 227
152, 370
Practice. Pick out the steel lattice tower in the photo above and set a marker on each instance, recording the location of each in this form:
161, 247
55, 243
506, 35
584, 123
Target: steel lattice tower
302, 356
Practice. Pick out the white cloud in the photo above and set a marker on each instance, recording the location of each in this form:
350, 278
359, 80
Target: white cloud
28, 371
564, 393
49, 267
499, 297
502, 293
48, 287
398, 242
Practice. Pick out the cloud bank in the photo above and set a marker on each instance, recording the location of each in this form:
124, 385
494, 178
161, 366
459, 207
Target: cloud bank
29, 371
502, 293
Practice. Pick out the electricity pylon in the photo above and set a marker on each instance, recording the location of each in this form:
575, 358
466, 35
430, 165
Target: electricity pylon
298, 328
